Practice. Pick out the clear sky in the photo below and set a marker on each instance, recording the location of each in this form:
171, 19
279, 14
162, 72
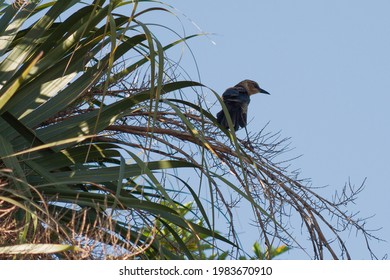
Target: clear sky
327, 67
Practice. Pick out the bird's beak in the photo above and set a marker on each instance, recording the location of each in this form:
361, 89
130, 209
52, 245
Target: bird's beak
263, 91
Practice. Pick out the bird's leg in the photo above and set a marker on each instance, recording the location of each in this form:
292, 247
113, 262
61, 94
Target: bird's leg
248, 142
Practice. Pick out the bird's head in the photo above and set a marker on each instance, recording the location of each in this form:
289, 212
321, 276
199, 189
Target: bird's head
252, 87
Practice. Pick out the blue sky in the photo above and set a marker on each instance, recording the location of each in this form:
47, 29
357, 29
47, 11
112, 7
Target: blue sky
327, 67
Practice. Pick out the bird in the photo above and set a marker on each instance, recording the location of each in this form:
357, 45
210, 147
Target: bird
236, 100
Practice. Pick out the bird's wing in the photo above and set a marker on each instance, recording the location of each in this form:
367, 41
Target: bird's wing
236, 95
232, 94
236, 100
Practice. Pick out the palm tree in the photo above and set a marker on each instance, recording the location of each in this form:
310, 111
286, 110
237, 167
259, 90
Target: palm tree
98, 140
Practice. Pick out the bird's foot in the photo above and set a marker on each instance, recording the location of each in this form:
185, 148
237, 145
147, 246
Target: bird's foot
248, 144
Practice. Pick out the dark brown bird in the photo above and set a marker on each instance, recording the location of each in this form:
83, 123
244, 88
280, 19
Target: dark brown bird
237, 99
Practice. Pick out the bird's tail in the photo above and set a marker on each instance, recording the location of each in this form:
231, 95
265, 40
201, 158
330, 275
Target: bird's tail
221, 119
